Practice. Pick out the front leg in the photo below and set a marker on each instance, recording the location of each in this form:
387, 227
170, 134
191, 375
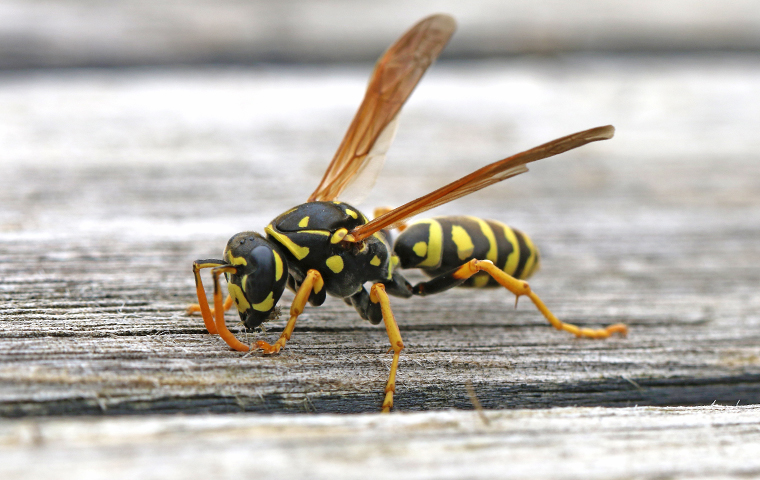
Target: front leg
312, 282
518, 287
202, 305
221, 326
196, 307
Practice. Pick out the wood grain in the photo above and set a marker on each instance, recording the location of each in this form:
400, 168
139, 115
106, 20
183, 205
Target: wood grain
111, 184
565, 443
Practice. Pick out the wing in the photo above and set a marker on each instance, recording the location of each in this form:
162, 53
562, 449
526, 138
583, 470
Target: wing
488, 175
395, 76
359, 186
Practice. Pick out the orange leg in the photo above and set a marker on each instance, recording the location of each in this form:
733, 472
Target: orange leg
520, 287
194, 307
377, 294
202, 305
313, 281
221, 327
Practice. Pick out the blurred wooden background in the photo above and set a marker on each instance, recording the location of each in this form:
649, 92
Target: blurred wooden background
113, 180
64, 33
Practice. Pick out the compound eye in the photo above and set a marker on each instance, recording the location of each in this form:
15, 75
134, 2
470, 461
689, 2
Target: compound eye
264, 262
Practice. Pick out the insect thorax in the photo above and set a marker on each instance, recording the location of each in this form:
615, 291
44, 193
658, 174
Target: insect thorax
311, 236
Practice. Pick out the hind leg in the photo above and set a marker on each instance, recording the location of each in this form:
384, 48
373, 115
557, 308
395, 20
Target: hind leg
517, 287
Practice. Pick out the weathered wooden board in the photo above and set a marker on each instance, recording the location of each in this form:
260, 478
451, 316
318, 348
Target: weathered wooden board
113, 182
565, 443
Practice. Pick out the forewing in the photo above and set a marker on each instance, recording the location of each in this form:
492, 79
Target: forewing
395, 76
363, 180
488, 175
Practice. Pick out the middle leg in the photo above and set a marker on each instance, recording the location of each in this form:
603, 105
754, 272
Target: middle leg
377, 295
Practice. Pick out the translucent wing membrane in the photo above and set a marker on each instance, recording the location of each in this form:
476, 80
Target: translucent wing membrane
488, 175
360, 155
361, 183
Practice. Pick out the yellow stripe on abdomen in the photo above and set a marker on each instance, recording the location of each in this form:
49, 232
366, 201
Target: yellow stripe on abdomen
462, 240
435, 243
493, 247
510, 266
533, 263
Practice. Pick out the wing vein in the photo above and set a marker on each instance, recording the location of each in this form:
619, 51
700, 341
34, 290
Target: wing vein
488, 175
395, 76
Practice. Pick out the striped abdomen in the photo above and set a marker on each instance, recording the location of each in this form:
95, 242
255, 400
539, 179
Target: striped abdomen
438, 245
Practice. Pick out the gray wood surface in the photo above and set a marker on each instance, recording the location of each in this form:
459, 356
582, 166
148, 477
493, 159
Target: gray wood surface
112, 183
564, 443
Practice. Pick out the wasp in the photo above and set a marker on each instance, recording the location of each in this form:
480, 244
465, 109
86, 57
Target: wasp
328, 247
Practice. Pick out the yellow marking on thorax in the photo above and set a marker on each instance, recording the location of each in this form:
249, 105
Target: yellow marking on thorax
304, 222
513, 258
375, 261
435, 243
335, 263
277, 266
324, 233
493, 247
237, 294
298, 251
266, 304
339, 235
462, 240
420, 249
352, 213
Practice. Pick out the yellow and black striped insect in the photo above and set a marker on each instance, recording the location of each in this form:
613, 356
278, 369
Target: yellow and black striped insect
326, 246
